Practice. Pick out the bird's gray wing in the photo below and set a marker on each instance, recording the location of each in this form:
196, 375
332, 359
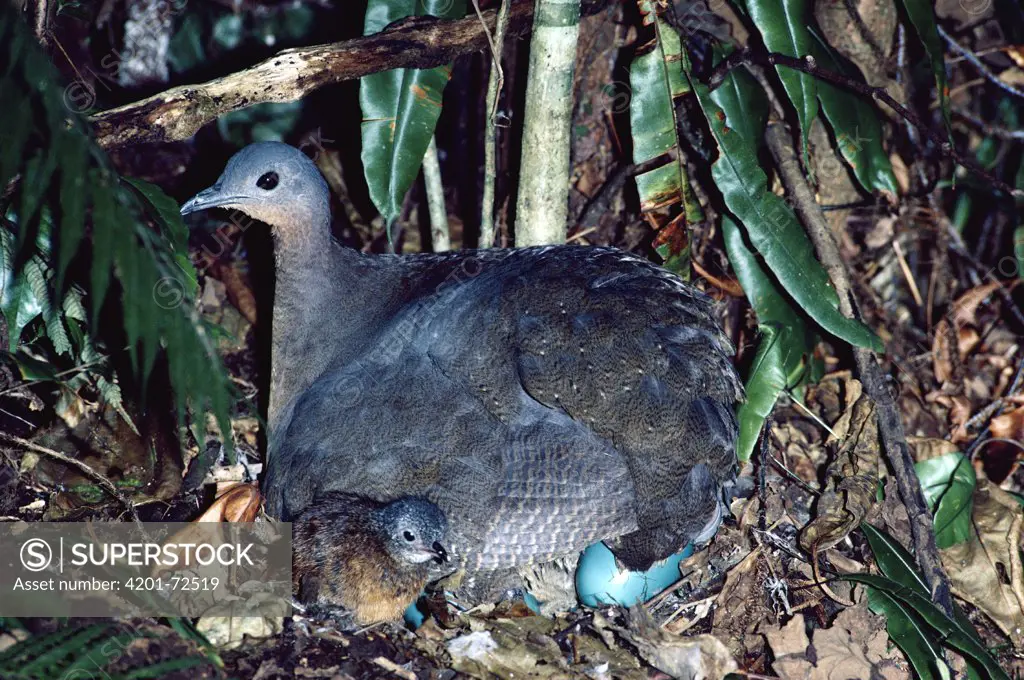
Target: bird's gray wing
623, 348
397, 425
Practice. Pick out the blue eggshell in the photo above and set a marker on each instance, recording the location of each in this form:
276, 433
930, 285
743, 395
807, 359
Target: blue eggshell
414, 618
531, 602
599, 581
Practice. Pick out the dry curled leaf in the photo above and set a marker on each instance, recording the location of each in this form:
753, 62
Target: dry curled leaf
986, 570
851, 480
239, 503
856, 646
695, 658
1009, 425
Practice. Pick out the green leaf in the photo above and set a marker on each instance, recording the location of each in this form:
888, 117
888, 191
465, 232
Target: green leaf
784, 345
952, 632
772, 227
105, 216
656, 81
948, 484
400, 108
856, 128
783, 27
165, 209
896, 563
922, 16
73, 196
918, 641
746, 108
185, 50
227, 32
14, 128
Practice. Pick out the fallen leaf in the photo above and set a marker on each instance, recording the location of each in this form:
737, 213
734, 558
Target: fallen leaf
986, 571
851, 480
239, 503
1009, 425
926, 448
855, 646
698, 657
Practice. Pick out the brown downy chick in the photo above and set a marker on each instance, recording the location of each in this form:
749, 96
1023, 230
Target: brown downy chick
371, 558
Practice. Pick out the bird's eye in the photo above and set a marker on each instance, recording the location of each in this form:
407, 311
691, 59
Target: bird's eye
409, 536
267, 181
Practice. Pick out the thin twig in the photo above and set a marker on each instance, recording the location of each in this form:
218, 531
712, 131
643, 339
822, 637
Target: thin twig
894, 440
100, 480
979, 64
809, 65
41, 22
987, 128
495, 84
907, 274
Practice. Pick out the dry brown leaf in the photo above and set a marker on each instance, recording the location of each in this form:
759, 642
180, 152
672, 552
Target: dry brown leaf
926, 448
1010, 425
856, 646
1013, 77
850, 480
965, 309
959, 412
742, 603
986, 571
238, 503
698, 657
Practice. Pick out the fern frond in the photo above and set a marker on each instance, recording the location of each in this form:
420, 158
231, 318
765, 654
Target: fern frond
68, 213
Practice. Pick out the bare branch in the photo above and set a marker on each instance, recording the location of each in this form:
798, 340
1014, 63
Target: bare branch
890, 427
419, 42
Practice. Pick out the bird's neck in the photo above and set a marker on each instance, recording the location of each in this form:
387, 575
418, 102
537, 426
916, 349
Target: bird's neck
325, 300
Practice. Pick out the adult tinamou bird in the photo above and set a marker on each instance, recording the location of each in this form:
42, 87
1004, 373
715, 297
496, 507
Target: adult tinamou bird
543, 398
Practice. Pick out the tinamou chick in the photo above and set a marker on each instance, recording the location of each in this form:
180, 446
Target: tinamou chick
370, 557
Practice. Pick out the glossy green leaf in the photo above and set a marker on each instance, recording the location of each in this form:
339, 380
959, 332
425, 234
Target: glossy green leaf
772, 228
896, 563
400, 108
855, 127
656, 81
918, 641
948, 483
922, 16
165, 209
73, 195
744, 103
785, 342
186, 50
953, 633
783, 28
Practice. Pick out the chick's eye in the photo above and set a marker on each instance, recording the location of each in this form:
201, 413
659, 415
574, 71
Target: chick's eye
409, 536
267, 181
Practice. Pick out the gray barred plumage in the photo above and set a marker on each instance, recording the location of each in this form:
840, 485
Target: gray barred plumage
544, 398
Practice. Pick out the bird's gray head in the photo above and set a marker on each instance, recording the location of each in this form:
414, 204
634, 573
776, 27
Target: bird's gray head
271, 182
413, 530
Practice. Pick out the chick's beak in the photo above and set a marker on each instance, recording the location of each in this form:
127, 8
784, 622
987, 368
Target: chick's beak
439, 553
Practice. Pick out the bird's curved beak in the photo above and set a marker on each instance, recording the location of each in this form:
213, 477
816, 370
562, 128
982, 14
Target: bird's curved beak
211, 197
439, 553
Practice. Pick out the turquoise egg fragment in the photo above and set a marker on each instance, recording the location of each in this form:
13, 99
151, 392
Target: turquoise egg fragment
600, 581
414, 618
